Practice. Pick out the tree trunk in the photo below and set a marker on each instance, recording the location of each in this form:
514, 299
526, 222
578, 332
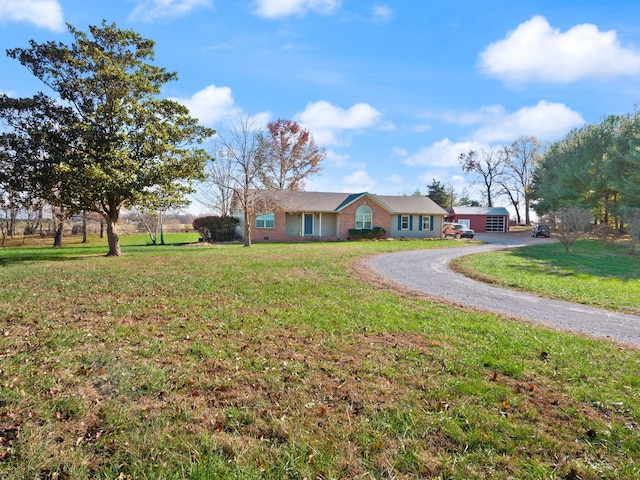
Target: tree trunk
247, 229
58, 215
84, 227
13, 213
161, 234
518, 216
57, 238
527, 204
112, 238
41, 220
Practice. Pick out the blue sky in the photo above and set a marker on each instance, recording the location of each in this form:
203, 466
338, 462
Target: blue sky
395, 90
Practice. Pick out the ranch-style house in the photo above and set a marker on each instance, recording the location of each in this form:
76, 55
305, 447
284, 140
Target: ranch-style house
328, 216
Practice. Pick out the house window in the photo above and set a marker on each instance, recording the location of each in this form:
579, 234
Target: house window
265, 220
364, 217
404, 225
427, 223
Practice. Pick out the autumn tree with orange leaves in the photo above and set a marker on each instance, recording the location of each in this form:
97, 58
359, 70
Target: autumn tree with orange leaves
290, 155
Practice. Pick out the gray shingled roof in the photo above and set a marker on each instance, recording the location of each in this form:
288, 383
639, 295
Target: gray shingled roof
480, 211
325, 202
411, 204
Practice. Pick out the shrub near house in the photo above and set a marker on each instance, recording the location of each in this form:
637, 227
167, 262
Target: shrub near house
216, 229
375, 233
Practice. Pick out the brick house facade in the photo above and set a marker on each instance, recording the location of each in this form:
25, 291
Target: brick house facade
328, 216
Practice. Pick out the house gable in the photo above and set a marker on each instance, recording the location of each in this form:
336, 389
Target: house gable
381, 217
353, 198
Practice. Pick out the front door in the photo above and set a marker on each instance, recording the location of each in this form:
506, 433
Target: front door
308, 223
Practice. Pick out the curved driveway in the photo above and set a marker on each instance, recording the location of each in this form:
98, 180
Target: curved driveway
427, 271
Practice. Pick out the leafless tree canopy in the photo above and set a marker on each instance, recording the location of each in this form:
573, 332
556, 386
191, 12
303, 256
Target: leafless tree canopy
487, 166
631, 218
506, 171
520, 161
571, 223
214, 193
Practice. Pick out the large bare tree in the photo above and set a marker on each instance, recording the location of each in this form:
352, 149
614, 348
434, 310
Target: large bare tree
214, 193
521, 160
243, 169
487, 166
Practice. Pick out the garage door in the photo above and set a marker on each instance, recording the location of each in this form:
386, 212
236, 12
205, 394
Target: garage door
495, 224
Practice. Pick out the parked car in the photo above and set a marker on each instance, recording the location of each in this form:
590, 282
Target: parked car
456, 230
541, 230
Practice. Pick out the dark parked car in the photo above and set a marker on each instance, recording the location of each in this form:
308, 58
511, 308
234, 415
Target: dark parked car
541, 230
456, 230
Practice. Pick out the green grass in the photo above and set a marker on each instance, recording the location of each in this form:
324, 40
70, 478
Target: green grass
593, 273
41, 249
285, 361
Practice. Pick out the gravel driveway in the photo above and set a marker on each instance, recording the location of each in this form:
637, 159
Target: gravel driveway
427, 271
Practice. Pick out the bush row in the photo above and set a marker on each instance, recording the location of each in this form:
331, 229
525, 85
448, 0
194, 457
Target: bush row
374, 233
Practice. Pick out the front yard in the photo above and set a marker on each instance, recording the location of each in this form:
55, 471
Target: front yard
280, 361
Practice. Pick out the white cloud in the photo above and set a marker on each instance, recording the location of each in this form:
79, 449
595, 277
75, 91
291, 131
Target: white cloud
285, 8
535, 51
485, 114
260, 119
328, 123
444, 153
9, 93
382, 13
211, 105
395, 178
337, 159
420, 128
359, 181
546, 120
150, 10
41, 13
441, 175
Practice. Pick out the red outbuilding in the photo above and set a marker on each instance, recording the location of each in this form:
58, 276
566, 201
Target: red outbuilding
481, 219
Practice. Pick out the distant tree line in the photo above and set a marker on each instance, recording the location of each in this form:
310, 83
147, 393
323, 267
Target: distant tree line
595, 169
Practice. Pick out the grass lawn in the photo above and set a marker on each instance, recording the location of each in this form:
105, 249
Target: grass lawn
604, 276
283, 362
